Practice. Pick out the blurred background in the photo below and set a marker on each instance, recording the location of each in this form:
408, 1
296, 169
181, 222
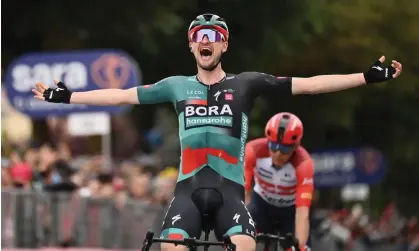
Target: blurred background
102, 178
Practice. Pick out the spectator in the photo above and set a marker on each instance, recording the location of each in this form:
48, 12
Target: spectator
21, 174
164, 185
139, 186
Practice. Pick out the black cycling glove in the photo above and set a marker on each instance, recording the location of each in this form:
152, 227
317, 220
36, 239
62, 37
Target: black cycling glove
378, 72
61, 94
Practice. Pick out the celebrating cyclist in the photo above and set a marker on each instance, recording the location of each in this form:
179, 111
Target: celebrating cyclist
213, 108
282, 172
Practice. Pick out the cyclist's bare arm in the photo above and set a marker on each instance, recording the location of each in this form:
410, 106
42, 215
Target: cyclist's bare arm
304, 173
326, 83
265, 83
257, 148
378, 72
159, 92
106, 97
332, 83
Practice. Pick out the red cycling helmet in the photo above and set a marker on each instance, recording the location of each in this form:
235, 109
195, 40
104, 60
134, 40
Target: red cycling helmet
284, 132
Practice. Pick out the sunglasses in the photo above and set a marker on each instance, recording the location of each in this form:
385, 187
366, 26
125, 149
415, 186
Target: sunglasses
273, 146
212, 36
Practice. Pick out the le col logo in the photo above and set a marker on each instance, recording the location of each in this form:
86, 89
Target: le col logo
194, 92
208, 110
73, 74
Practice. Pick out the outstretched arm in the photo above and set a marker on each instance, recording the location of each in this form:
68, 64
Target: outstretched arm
331, 83
106, 97
326, 83
149, 94
262, 83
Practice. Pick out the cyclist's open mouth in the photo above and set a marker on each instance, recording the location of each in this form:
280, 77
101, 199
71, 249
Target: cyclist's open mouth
205, 53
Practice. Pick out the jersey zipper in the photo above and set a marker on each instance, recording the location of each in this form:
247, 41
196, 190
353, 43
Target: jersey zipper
206, 133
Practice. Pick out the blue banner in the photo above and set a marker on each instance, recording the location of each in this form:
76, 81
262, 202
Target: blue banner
336, 168
79, 70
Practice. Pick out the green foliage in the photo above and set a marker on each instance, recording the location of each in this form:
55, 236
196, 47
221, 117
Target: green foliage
287, 38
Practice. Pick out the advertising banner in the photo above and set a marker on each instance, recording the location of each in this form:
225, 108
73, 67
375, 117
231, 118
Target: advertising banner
79, 70
336, 168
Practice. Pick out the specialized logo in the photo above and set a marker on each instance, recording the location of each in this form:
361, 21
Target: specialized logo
236, 218
176, 218
196, 115
217, 95
377, 67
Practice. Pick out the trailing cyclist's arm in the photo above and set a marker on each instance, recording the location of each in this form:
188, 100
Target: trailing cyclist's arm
249, 166
257, 148
304, 173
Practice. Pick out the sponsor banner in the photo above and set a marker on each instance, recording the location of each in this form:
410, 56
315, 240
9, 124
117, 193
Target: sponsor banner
79, 70
336, 168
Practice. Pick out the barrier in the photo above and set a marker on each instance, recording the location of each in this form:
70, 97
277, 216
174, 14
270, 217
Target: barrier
31, 220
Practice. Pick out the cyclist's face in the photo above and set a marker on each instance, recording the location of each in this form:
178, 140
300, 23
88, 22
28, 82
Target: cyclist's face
207, 53
279, 158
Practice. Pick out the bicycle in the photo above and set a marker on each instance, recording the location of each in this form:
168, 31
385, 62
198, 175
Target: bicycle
191, 243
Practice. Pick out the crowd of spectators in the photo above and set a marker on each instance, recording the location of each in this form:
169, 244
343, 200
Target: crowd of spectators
354, 229
50, 167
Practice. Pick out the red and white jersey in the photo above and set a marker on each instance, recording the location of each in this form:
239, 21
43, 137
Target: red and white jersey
292, 184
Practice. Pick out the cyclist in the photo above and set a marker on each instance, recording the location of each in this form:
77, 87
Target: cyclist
283, 177
213, 108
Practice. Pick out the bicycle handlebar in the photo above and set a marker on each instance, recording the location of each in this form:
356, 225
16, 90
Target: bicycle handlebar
267, 237
286, 241
189, 242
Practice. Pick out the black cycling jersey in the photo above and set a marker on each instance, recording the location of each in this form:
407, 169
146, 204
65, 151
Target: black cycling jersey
213, 119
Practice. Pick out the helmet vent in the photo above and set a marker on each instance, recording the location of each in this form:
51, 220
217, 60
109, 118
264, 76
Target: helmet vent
281, 132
